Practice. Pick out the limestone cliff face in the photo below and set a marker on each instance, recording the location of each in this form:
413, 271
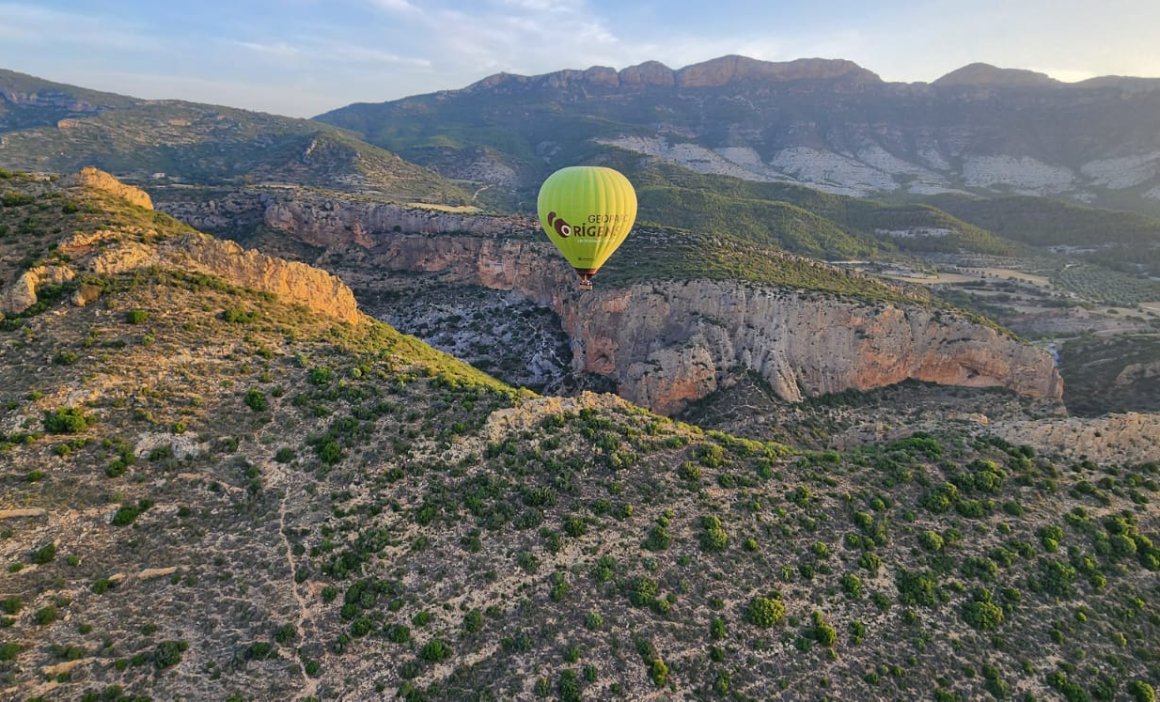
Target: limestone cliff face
668, 343
327, 222
132, 247
672, 343
708, 74
727, 69
290, 281
94, 179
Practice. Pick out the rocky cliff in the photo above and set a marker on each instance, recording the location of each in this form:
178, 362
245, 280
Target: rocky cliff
94, 179
714, 72
667, 343
121, 248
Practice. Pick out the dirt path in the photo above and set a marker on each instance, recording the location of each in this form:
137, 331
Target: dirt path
279, 480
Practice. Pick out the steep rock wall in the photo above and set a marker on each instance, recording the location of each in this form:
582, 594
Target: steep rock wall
668, 343
327, 222
292, 282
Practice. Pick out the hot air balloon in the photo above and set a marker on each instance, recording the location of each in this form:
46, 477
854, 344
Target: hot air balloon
587, 212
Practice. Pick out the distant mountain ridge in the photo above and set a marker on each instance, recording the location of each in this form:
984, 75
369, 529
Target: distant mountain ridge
828, 124
54, 127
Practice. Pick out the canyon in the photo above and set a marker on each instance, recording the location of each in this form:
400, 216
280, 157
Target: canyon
662, 343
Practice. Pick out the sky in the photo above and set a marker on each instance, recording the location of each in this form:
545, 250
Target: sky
305, 57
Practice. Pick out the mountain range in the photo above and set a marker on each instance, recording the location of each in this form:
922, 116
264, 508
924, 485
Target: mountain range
829, 124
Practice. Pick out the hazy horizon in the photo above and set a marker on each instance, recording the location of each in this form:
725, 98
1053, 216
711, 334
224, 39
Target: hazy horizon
304, 57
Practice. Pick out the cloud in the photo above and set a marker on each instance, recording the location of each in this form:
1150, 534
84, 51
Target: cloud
402, 6
366, 55
37, 25
545, 6
281, 49
328, 51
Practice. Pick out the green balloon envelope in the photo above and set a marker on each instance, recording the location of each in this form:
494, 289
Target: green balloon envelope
587, 212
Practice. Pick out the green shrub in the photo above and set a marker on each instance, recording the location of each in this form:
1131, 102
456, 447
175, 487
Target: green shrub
981, 612
917, 588
559, 587
1055, 578
65, 358
765, 612
931, 541
127, 514
285, 634
823, 633
168, 653
398, 633
44, 554
1138, 689
66, 420
136, 316
329, 452
236, 315
659, 672
473, 621
642, 591
658, 539
852, 586
714, 538
46, 615
568, 686
435, 650
9, 651
942, 498
256, 400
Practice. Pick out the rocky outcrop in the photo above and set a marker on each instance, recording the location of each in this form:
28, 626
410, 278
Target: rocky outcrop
115, 251
986, 75
290, 281
226, 213
94, 179
649, 73
668, 343
21, 294
328, 223
671, 343
730, 69
708, 74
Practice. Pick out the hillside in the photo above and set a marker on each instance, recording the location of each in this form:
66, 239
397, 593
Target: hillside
28, 102
210, 491
58, 128
800, 219
1124, 241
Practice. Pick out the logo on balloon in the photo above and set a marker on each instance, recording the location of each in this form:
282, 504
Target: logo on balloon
562, 228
